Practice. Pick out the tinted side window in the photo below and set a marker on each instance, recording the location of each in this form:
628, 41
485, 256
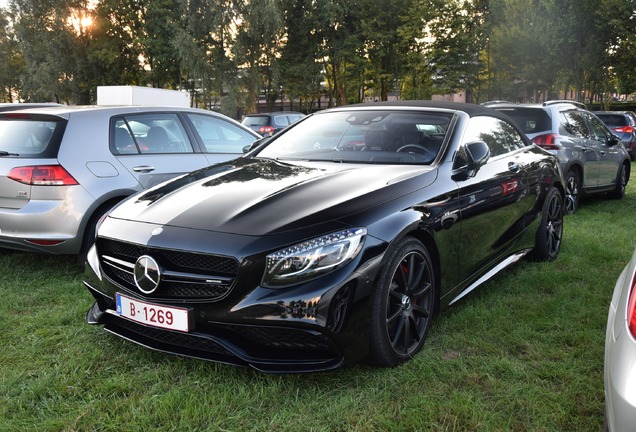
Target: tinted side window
281, 120
597, 128
152, 133
573, 124
220, 136
500, 135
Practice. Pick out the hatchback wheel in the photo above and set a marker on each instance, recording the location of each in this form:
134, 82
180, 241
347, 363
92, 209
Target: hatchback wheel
402, 304
550, 232
571, 192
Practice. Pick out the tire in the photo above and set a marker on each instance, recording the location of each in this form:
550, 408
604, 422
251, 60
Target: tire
572, 192
403, 304
550, 232
91, 228
621, 183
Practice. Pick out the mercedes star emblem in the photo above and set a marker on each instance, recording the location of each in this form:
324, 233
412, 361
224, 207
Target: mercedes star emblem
147, 274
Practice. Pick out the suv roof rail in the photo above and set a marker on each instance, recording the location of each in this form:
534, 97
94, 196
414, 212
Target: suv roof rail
575, 103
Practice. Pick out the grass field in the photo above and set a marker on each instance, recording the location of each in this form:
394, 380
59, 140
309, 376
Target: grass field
522, 353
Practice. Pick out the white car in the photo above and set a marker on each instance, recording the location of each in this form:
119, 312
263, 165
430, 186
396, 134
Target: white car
620, 354
62, 168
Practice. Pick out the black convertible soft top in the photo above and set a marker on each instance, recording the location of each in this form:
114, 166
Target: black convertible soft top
471, 109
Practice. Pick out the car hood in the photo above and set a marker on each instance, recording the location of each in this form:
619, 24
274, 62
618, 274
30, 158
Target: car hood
252, 196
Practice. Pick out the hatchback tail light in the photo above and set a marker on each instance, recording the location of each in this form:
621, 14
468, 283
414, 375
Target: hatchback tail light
42, 175
631, 307
624, 129
547, 141
266, 129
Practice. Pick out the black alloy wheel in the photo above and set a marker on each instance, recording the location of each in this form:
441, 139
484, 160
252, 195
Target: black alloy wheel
403, 304
571, 192
550, 231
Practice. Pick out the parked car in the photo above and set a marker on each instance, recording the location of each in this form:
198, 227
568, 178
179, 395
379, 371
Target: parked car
623, 124
620, 353
591, 156
312, 251
62, 168
268, 124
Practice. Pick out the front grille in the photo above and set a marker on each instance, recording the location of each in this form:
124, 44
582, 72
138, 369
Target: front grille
185, 275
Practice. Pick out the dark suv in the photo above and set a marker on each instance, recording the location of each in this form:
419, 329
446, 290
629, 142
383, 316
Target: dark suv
268, 124
592, 158
623, 123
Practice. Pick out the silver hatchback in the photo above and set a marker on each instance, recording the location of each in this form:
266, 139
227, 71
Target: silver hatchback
62, 168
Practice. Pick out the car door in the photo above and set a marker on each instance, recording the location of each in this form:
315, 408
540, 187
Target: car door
585, 147
154, 146
494, 200
610, 156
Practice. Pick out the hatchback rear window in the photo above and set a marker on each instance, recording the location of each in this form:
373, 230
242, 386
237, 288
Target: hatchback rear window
613, 119
256, 121
26, 136
530, 121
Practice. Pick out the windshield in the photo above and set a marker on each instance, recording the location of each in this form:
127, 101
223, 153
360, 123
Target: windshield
365, 136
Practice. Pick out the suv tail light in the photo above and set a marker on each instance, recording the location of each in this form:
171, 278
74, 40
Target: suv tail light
547, 141
266, 129
42, 175
624, 129
631, 307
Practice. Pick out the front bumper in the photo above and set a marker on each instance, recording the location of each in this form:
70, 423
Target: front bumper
316, 326
272, 349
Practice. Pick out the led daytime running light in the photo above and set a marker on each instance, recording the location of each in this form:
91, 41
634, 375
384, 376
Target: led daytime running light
313, 257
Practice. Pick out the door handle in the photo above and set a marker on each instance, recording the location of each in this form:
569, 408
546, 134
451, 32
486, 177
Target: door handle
143, 169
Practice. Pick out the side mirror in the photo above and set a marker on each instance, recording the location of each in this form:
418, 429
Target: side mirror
477, 153
258, 143
613, 140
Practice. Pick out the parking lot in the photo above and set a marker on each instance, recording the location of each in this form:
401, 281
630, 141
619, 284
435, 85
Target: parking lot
525, 352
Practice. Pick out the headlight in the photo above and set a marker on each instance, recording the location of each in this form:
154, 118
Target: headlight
313, 258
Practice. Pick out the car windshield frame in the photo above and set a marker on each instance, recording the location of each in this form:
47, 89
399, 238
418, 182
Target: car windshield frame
365, 136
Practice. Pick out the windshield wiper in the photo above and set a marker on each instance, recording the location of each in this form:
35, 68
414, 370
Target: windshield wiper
5, 153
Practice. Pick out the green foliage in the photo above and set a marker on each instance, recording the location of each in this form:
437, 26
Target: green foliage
233, 53
12, 66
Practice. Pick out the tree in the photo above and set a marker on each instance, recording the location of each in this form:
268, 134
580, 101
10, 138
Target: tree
115, 47
385, 50
203, 45
258, 42
54, 39
12, 66
161, 22
302, 55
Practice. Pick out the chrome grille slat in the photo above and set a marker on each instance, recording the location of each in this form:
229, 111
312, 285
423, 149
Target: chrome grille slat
208, 277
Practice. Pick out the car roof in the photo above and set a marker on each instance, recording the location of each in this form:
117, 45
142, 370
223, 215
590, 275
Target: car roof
4, 107
65, 111
614, 112
546, 104
274, 113
472, 110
